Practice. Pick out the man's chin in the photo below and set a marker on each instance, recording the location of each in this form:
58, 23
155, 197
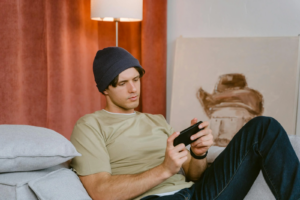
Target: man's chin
135, 104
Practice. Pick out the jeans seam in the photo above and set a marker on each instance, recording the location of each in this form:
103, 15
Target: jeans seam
272, 184
234, 173
186, 196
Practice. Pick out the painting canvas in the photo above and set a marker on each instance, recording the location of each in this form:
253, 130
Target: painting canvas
229, 81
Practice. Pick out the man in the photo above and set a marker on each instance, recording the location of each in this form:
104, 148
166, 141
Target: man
130, 155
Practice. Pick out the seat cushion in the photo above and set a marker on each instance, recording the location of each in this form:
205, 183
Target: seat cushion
61, 184
14, 185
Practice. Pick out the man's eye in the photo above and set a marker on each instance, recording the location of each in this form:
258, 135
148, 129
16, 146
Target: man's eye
136, 79
121, 84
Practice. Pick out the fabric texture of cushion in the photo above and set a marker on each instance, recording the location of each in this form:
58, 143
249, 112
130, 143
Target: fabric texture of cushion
15, 185
61, 184
27, 148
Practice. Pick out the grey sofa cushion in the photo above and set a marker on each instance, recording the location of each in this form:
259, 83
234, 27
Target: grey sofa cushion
26, 148
15, 185
62, 184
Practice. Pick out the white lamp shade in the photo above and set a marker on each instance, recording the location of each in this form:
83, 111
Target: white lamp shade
117, 10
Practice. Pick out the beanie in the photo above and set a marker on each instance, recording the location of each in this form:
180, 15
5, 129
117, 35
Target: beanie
109, 63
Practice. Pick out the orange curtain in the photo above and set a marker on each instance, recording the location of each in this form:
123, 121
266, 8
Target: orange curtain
71, 46
23, 61
46, 54
154, 56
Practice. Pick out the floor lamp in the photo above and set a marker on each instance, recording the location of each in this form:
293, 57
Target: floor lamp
117, 11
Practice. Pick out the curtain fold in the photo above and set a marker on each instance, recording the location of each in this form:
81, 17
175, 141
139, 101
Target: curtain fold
46, 55
154, 56
72, 42
23, 73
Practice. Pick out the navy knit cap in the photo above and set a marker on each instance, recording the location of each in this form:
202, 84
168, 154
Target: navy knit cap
109, 63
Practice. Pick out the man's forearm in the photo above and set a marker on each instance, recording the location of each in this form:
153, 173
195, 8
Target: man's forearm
196, 168
130, 186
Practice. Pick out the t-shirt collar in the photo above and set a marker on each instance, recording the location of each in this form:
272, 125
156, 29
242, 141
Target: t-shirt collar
120, 113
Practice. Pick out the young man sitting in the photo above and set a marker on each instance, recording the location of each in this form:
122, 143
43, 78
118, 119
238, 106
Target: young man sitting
130, 155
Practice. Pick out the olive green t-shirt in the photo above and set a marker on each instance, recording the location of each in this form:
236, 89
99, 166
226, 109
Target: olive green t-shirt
123, 144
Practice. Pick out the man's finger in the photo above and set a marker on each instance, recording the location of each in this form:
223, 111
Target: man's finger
171, 139
204, 124
182, 154
183, 159
203, 139
201, 133
194, 121
179, 147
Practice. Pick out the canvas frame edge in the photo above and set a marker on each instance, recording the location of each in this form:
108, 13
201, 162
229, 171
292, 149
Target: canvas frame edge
297, 112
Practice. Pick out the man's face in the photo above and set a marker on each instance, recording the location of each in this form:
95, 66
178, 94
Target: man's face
125, 96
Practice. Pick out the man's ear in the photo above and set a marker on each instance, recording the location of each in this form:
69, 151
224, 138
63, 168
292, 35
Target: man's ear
105, 92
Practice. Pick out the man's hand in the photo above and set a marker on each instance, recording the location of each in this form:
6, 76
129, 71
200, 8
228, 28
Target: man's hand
206, 140
175, 156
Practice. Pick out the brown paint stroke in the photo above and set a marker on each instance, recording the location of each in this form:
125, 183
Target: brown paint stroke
231, 105
231, 91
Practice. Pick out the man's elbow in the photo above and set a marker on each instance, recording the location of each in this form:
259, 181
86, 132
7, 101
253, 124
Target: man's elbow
97, 194
96, 185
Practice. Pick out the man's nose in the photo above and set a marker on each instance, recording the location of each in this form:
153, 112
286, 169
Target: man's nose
132, 87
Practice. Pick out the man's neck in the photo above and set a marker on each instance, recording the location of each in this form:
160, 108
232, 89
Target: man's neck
114, 113
119, 110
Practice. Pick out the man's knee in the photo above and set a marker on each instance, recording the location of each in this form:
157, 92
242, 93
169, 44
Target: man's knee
262, 120
265, 122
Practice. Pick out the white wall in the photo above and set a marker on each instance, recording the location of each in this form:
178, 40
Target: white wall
228, 18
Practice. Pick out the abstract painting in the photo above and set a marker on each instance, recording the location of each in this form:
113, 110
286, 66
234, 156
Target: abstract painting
229, 81
230, 106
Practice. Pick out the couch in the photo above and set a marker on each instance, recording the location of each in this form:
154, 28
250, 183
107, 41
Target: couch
33, 166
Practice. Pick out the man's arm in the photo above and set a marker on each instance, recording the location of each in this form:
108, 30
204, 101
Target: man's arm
194, 168
106, 186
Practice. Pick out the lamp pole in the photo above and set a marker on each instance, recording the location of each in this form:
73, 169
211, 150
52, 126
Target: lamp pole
117, 23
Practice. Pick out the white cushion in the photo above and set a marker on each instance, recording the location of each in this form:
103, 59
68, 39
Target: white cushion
15, 185
27, 148
62, 184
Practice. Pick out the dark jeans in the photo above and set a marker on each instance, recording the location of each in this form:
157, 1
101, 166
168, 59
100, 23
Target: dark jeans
262, 144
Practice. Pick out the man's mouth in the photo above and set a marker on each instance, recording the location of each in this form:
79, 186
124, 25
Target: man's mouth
133, 98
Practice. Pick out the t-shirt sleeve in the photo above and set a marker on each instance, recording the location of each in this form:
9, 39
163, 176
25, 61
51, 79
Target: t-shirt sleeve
169, 128
90, 143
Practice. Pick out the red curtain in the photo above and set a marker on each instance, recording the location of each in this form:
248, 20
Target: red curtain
46, 54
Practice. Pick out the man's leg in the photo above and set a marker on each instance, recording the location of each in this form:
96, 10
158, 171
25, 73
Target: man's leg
261, 144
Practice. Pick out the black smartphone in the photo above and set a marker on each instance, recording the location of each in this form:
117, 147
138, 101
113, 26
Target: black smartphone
185, 135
